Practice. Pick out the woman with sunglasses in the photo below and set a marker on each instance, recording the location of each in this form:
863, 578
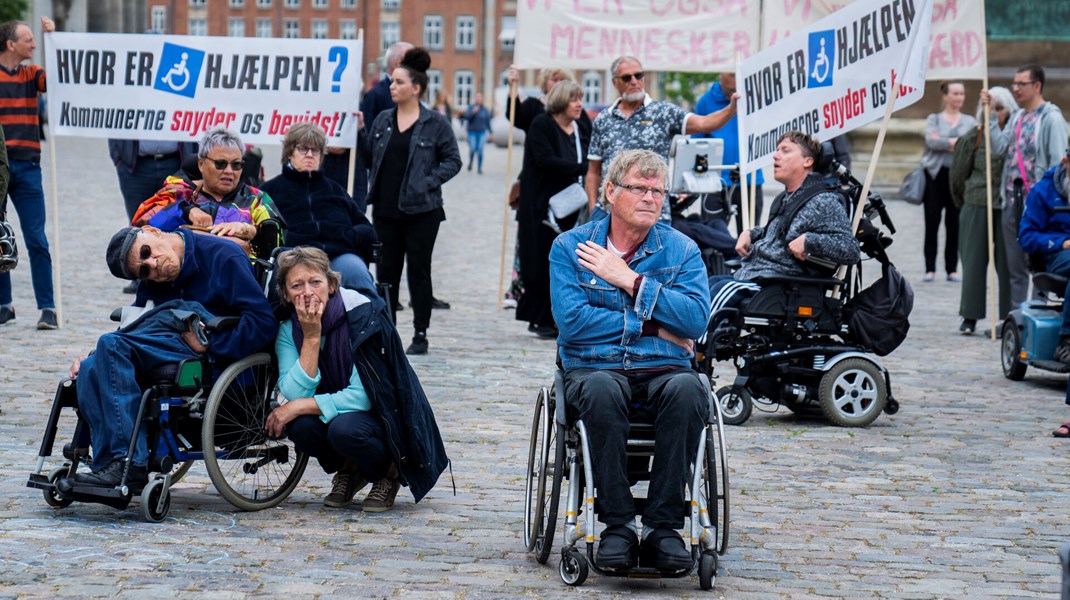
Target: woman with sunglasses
215, 201
412, 152
318, 211
969, 193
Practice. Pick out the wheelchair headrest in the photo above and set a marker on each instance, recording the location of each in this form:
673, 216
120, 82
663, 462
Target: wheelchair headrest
823, 162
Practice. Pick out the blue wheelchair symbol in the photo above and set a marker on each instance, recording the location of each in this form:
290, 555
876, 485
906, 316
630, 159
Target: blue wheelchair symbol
179, 71
822, 50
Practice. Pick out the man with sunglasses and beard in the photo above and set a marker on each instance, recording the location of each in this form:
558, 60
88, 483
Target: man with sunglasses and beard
638, 122
209, 277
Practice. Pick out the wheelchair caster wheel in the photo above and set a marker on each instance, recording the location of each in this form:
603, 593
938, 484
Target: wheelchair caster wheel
155, 501
573, 567
707, 570
52, 496
736, 405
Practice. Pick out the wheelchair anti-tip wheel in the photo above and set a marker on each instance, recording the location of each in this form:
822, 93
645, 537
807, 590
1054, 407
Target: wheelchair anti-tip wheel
52, 496
540, 503
573, 567
155, 501
707, 570
1010, 352
853, 392
736, 404
250, 470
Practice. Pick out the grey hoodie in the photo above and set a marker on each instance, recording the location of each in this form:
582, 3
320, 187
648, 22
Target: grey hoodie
1051, 141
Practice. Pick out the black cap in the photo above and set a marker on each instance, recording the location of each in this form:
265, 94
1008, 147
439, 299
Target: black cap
119, 252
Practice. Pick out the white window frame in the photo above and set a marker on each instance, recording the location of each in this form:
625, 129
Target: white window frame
391, 5
198, 3
263, 3
347, 4
347, 29
292, 4
591, 82
389, 34
465, 38
202, 28
265, 28
237, 3
508, 24
464, 87
319, 29
158, 18
434, 83
233, 23
291, 28
321, 4
434, 31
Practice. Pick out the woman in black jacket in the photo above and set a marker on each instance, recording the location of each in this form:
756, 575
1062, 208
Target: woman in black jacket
411, 151
555, 157
318, 212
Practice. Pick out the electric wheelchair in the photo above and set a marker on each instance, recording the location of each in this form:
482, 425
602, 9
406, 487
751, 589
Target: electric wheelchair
191, 411
790, 344
557, 453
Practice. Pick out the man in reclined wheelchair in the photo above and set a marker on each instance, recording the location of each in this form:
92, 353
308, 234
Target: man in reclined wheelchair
211, 277
629, 295
808, 224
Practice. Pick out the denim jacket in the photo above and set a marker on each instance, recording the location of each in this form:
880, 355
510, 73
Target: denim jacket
600, 326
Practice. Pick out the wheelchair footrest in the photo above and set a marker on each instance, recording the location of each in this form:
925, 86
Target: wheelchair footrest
39, 481
1051, 365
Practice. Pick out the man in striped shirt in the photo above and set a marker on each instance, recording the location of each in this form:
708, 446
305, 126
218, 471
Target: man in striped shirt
19, 87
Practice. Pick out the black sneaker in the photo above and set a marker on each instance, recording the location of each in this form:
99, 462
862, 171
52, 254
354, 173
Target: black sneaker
343, 487
436, 304
616, 548
665, 550
1062, 351
968, 326
7, 315
110, 474
418, 345
48, 319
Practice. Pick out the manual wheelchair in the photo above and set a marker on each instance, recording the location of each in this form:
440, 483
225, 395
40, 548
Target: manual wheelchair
558, 451
790, 344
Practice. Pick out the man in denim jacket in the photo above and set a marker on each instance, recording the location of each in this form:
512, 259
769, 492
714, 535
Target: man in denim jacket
629, 295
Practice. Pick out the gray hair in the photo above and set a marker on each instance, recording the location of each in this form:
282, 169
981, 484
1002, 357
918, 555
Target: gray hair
219, 137
614, 67
562, 95
394, 54
1001, 96
650, 165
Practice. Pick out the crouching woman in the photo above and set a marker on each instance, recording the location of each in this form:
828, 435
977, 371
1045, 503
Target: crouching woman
348, 395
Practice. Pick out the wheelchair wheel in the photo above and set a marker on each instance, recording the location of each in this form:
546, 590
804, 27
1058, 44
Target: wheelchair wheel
52, 496
853, 392
547, 523
573, 567
542, 428
1010, 352
707, 571
736, 405
250, 470
155, 501
717, 502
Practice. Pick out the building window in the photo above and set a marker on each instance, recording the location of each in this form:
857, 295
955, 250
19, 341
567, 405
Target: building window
263, 3
592, 88
237, 3
319, 29
507, 37
466, 33
198, 3
350, 4
463, 86
159, 19
291, 28
391, 4
503, 78
434, 84
236, 27
389, 34
319, 3
198, 26
292, 4
264, 28
433, 32
347, 29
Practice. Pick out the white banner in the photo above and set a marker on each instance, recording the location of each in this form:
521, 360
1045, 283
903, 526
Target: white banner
956, 42
665, 35
833, 76
168, 87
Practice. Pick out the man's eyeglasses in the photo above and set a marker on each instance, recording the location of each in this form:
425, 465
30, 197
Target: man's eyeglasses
144, 254
307, 150
627, 77
1020, 84
640, 191
221, 164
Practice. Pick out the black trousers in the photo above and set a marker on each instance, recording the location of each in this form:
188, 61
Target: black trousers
357, 437
675, 401
414, 240
937, 200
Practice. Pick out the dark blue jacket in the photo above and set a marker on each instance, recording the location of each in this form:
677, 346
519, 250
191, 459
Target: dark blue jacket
216, 273
125, 152
1042, 229
375, 101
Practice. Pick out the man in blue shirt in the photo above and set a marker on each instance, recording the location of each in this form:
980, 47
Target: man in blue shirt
477, 118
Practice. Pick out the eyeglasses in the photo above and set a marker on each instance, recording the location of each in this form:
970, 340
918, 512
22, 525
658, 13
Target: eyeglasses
640, 191
307, 150
627, 77
221, 164
1020, 84
144, 253
998, 108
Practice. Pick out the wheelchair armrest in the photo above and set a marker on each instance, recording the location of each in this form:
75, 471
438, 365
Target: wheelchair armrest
733, 264
222, 323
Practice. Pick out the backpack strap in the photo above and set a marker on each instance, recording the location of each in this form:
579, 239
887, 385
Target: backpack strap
790, 206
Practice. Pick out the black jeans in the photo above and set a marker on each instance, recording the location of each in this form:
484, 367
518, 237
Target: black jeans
675, 401
414, 239
357, 437
937, 200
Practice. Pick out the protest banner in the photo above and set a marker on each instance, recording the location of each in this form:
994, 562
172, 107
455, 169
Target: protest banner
832, 77
168, 87
665, 35
956, 41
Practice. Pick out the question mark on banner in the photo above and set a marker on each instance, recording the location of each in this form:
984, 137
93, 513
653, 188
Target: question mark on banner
340, 54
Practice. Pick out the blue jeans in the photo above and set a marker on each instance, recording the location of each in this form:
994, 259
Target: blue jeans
1059, 262
355, 273
109, 394
475, 147
146, 179
28, 197
357, 437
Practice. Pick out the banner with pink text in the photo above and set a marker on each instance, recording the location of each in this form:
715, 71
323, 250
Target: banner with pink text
168, 87
665, 35
956, 42
833, 76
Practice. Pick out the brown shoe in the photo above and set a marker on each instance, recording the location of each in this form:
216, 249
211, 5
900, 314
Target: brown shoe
381, 497
343, 487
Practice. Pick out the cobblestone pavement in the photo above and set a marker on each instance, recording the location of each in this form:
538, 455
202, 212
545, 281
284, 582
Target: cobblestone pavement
960, 495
